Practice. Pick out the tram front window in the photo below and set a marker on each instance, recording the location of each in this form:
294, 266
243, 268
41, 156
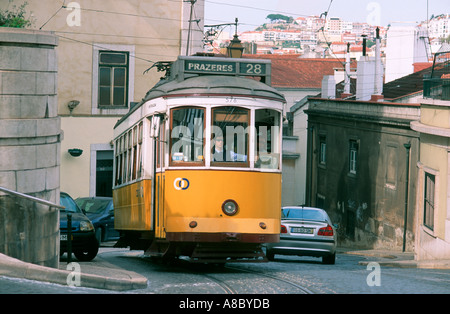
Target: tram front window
186, 139
229, 136
267, 143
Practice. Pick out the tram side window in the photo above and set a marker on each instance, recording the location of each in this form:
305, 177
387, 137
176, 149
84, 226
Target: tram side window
128, 156
268, 146
139, 160
229, 136
118, 160
135, 153
160, 146
186, 136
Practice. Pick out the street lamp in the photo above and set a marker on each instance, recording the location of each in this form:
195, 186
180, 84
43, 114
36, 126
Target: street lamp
235, 48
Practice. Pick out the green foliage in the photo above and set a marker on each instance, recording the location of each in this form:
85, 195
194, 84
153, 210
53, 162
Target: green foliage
14, 17
278, 17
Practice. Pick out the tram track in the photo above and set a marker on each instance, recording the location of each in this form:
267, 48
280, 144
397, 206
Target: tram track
231, 289
302, 289
227, 277
231, 285
227, 288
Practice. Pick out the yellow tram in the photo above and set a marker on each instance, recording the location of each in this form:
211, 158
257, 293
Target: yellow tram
197, 165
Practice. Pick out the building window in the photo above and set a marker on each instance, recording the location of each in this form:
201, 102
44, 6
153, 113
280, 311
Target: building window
322, 150
428, 210
113, 68
113, 79
353, 156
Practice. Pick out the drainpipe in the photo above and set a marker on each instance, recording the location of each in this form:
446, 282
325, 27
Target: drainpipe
310, 149
408, 147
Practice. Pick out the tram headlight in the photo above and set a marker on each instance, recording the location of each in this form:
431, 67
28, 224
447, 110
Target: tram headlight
230, 207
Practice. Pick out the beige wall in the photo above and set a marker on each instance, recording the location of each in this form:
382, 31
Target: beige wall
434, 159
83, 131
151, 27
151, 30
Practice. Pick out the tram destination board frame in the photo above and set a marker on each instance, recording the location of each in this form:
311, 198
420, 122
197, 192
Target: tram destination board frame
224, 66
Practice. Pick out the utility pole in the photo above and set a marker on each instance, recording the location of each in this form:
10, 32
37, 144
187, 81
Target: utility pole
190, 21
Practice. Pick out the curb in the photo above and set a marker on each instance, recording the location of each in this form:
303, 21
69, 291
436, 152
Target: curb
429, 264
18, 269
398, 259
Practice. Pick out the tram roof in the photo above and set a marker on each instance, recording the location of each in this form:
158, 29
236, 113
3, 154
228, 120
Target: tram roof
207, 85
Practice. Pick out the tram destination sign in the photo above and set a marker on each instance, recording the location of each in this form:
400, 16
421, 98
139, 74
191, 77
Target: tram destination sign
227, 66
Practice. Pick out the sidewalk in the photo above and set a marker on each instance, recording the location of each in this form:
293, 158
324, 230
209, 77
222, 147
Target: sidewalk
96, 274
395, 259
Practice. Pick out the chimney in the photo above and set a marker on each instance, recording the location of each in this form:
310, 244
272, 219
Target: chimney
346, 92
377, 96
365, 78
364, 45
370, 75
328, 87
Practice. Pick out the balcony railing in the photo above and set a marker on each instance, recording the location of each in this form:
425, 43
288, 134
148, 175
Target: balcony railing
436, 88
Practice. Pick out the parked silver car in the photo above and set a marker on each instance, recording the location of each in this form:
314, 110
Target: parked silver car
305, 231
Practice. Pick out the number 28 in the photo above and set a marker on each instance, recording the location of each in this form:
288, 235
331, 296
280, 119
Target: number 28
254, 68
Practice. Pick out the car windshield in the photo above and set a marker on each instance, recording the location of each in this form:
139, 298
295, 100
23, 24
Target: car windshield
92, 206
69, 204
303, 213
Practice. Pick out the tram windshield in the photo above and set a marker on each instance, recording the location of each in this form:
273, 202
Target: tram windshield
230, 139
267, 150
229, 134
187, 135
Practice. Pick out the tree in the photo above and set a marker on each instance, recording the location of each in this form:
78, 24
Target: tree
14, 17
280, 17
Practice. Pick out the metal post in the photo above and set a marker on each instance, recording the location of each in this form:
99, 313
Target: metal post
69, 238
189, 30
407, 146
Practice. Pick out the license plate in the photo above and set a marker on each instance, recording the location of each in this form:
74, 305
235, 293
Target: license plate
63, 237
302, 230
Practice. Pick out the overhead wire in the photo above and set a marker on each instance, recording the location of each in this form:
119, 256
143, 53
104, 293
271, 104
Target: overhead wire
63, 6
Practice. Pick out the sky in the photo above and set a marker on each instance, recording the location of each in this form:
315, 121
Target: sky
252, 13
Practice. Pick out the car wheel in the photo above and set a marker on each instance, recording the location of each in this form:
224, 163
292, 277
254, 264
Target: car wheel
88, 255
329, 259
270, 255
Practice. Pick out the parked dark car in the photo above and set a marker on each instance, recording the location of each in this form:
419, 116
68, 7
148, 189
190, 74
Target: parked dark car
100, 210
84, 243
305, 231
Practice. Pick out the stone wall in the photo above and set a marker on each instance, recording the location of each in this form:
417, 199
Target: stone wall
30, 136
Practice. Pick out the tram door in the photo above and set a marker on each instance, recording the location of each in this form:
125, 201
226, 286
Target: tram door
159, 214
